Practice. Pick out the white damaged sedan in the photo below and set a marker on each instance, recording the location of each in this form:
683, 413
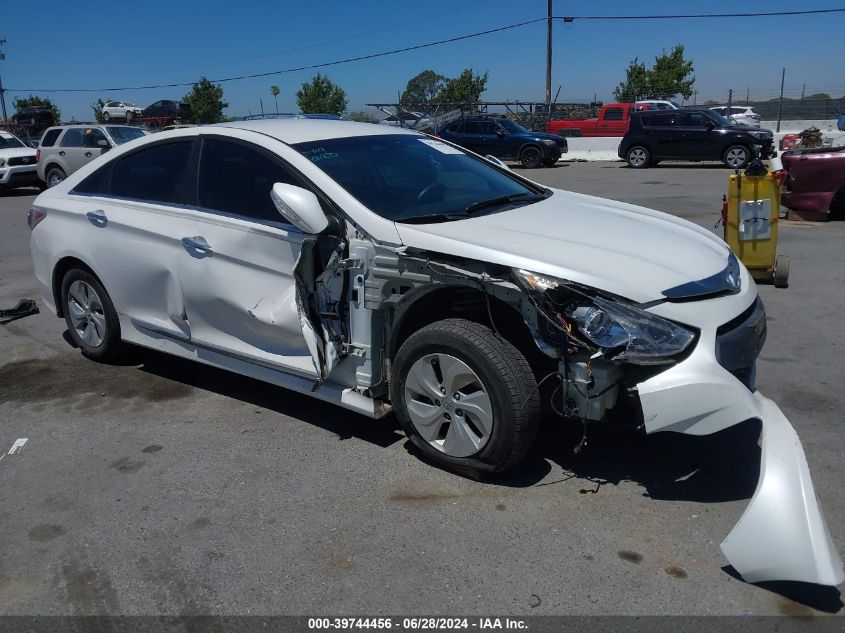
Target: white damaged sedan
384, 270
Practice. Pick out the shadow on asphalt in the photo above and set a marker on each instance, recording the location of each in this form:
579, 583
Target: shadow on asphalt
345, 424
19, 192
826, 599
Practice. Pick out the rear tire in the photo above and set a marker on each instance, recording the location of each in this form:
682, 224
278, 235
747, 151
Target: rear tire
638, 157
457, 363
531, 157
90, 316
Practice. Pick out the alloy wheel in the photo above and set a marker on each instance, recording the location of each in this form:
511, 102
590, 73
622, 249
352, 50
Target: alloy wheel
736, 157
85, 309
448, 405
637, 157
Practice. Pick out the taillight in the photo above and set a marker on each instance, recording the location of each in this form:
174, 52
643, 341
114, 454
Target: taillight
34, 216
38, 155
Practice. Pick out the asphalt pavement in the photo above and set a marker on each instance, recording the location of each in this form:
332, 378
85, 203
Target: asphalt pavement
164, 487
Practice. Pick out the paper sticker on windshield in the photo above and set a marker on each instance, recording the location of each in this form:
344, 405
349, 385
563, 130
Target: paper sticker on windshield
439, 146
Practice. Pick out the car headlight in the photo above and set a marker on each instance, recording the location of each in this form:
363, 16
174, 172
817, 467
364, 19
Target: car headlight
547, 141
761, 136
622, 332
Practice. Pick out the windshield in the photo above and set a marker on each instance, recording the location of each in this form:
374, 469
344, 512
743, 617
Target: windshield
8, 141
722, 121
405, 177
121, 134
511, 126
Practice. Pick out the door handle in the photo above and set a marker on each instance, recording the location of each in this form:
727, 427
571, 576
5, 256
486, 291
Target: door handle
197, 246
62, 153
97, 218
88, 154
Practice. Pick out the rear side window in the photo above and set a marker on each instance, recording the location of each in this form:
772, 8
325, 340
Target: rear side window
658, 120
237, 179
456, 128
95, 184
50, 137
613, 114
153, 174
472, 127
694, 119
72, 137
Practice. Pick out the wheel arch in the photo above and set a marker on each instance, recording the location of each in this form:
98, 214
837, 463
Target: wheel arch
473, 304
527, 145
61, 269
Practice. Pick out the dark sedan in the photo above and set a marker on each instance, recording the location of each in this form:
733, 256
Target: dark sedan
506, 140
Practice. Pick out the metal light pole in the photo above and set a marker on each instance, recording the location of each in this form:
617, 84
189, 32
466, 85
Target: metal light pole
2, 92
780, 103
549, 59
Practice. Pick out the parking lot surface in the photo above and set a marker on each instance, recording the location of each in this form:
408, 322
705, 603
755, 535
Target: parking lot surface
164, 487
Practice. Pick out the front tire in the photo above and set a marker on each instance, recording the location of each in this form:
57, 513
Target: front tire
467, 399
638, 157
106, 116
531, 157
736, 157
90, 316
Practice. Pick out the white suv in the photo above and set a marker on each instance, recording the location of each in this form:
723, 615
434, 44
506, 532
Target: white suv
120, 110
384, 270
741, 115
17, 163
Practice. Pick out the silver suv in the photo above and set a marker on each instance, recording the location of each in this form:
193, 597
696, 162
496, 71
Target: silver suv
65, 148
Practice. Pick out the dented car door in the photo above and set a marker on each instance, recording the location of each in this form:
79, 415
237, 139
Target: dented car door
240, 289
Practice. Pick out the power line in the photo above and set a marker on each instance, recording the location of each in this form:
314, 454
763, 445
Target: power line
458, 38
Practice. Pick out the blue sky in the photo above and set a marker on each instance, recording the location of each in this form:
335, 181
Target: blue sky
97, 44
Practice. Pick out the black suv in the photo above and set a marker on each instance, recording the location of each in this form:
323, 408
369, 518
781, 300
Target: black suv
34, 118
507, 140
169, 109
691, 135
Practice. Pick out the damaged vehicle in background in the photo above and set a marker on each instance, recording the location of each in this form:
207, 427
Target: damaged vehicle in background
384, 270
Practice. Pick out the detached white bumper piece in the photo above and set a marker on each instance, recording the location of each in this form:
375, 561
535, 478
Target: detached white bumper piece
782, 535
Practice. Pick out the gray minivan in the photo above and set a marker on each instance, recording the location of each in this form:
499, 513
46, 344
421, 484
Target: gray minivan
65, 148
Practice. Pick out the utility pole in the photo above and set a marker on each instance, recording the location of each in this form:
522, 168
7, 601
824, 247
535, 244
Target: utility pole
2, 92
730, 102
549, 59
803, 88
747, 95
780, 103
694, 98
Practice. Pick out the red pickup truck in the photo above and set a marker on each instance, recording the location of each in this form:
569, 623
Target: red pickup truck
612, 121
815, 188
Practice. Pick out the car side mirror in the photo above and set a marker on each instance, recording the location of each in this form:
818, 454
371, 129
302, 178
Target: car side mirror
300, 207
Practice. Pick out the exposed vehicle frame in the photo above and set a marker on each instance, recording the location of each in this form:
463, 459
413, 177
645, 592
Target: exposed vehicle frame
483, 318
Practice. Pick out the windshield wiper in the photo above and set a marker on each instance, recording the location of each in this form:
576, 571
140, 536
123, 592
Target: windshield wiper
502, 200
431, 218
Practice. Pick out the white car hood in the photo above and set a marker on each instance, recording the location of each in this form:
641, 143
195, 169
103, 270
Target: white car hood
620, 248
14, 152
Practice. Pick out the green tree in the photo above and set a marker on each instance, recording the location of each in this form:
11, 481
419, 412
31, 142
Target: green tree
321, 95
362, 117
465, 88
670, 76
712, 102
274, 90
206, 101
819, 95
423, 87
97, 107
637, 83
21, 102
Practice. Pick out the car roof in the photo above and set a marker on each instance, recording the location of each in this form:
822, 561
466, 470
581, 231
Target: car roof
306, 130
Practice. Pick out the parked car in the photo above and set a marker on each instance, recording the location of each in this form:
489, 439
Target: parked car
695, 135
17, 163
384, 270
656, 104
612, 121
121, 110
506, 140
815, 186
741, 115
167, 108
34, 118
66, 148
